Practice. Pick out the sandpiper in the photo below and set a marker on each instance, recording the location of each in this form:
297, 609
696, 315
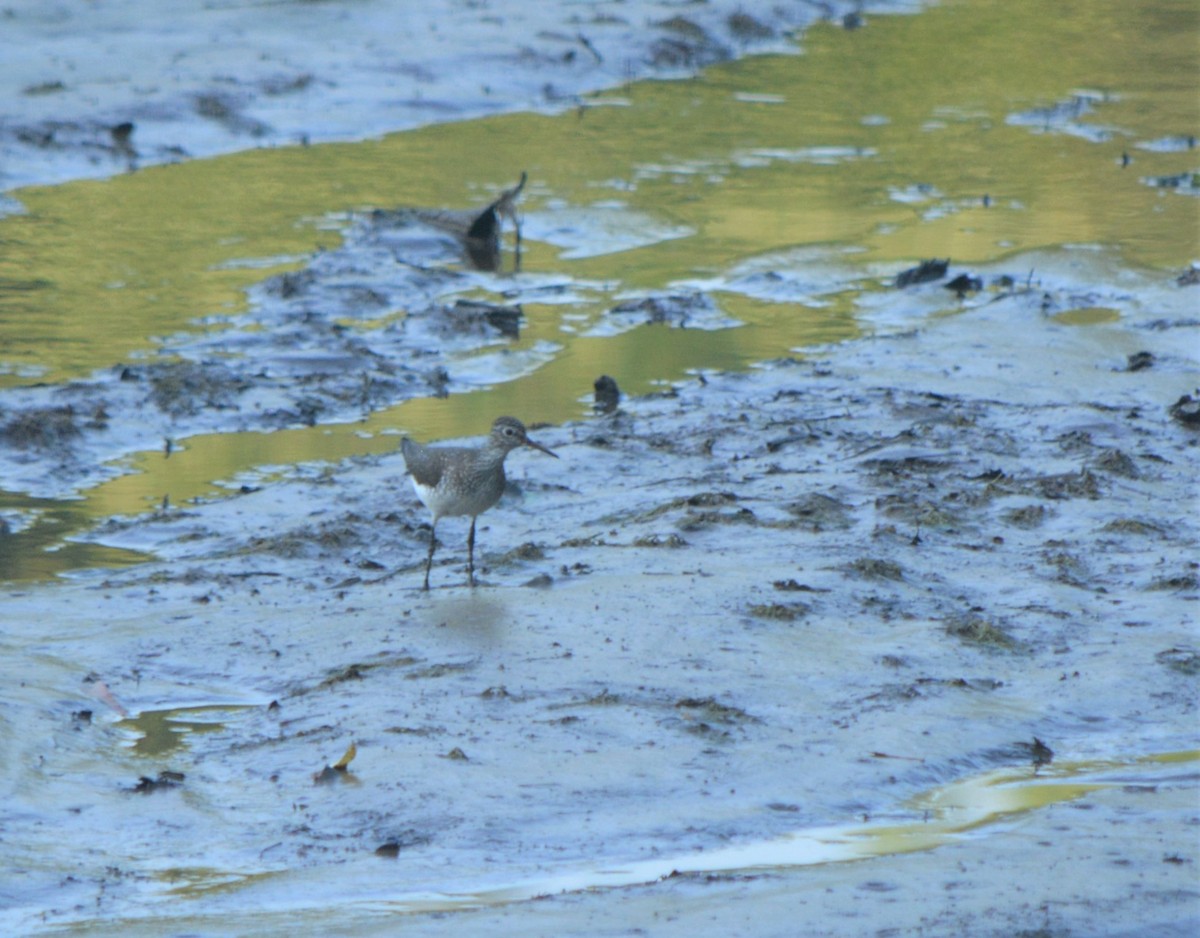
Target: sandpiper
459, 480
477, 232
482, 240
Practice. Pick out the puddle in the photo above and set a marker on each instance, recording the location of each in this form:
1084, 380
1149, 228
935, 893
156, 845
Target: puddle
163, 732
1087, 316
36, 542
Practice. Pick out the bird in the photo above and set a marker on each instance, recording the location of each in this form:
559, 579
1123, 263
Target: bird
482, 240
478, 233
456, 481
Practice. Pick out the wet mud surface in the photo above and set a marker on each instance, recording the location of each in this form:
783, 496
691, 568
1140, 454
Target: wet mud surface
869, 636
756, 604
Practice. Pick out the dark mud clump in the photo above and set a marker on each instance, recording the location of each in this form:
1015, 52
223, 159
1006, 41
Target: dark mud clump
925, 272
331, 538
817, 512
1184, 660
166, 781
674, 309
673, 541
687, 46
1027, 517
745, 27
41, 428
712, 710
977, 630
472, 317
186, 388
780, 612
607, 395
873, 568
1186, 411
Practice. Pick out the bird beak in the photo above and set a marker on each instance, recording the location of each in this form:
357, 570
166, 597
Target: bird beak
529, 442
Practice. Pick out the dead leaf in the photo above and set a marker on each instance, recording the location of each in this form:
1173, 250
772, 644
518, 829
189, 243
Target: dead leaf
343, 763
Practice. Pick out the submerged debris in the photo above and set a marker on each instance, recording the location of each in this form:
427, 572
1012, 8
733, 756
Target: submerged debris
41, 428
1186, 411
709, 708
698, 500
964, 284
184, 388
607, 395
166, 780
675, 309
404, 841
1175, 584
1135, 526
790, 585
1184, 660
1081, 484
474, 317
1182, 182
1028, 516
745, 27
873, 568
1115, 462
524, 552
780, 612
329, 537
689, 46
980, 631
924, 272
1139, 361
660, 540
819, 512
1189, 278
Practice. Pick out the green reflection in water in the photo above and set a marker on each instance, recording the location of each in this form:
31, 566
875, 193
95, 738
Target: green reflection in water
1086, 316
161, 732
32, 546
752, 157
96, 268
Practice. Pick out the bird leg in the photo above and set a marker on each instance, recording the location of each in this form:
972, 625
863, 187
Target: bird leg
429, 557
507, 206
471, 553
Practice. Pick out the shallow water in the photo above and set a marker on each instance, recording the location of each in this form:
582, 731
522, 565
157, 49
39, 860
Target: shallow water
961, 132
